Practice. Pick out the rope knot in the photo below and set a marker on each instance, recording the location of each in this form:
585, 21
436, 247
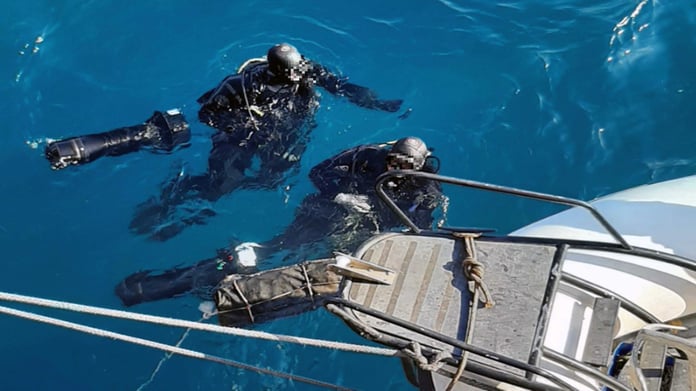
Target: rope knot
473, 269
432, 364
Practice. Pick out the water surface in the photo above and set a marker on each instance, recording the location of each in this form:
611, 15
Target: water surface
555, 96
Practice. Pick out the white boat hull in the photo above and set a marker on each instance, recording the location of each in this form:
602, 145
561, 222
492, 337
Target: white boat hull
659, 217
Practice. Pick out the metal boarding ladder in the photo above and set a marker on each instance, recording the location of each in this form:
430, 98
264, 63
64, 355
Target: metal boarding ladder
597, 350
661, 360
653, 347
658, 359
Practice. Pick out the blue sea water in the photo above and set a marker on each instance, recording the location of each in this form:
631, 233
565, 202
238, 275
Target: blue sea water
569, 97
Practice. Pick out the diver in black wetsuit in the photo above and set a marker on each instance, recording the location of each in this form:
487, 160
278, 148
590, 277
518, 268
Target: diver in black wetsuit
343, 212
265, 110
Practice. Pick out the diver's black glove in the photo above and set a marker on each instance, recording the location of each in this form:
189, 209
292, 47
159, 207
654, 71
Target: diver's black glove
365, 97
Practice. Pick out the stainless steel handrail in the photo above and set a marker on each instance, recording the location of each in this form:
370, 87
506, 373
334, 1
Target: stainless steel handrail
379, 186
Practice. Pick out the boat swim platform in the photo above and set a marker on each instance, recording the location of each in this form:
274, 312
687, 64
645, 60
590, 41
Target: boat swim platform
431, 291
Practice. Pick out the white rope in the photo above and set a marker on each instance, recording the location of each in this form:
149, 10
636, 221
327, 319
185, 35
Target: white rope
161, 346
197, 326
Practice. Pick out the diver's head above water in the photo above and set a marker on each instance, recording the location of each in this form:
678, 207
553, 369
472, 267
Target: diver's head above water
408, 153
411, 153
285, 61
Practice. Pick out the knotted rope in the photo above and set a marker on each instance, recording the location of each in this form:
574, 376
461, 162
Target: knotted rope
473, 269
433, 364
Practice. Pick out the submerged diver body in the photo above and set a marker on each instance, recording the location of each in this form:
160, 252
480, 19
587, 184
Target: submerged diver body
343, 212
265, 112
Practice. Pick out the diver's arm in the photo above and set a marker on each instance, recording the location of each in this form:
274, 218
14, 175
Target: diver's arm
226, 96
419, 200
430, 200
328, 175
359, 95
349, 170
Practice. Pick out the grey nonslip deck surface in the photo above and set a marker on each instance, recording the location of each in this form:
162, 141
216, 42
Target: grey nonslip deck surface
431, 290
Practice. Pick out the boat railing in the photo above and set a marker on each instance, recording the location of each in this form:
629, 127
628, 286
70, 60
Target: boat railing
607, 302
394, 174
490, 372
504, 376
